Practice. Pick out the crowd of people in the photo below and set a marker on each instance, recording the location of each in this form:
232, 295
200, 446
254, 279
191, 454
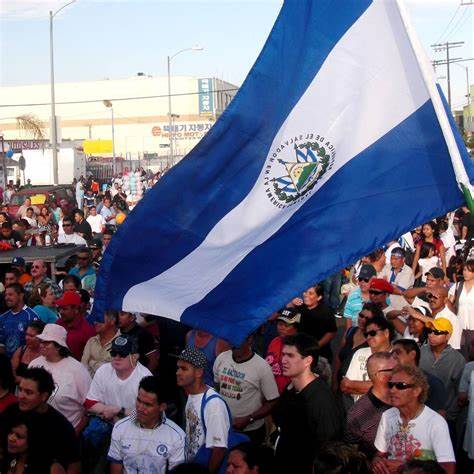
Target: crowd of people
371, 370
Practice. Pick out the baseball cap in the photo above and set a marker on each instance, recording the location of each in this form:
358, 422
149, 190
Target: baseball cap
18, 262
194, 356
436, 272
440, 324
366, 271
381, 285
54, 333
124, 345
290, 316
423, 310
69, 298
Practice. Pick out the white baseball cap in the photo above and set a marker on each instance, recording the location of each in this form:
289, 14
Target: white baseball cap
54, 333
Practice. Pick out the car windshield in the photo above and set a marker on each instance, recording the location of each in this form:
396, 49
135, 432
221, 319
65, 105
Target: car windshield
18, 199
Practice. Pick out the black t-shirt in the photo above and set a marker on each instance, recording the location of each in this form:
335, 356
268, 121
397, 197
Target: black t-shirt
468, 221
317, 322
59, 442
84, 228
306, 420
146, 342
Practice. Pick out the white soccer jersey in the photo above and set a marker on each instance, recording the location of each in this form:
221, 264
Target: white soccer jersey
147, 451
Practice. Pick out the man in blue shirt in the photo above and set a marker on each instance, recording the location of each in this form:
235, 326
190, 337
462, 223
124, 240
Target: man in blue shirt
13, 323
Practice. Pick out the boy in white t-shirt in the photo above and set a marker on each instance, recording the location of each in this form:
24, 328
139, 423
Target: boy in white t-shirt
213, 431
411, 430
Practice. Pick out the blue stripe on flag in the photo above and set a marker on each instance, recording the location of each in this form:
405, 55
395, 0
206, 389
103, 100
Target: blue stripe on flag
378, 192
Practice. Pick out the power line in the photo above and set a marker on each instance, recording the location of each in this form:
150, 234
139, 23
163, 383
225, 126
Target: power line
119, 99
460, 23
449, 23
446, 47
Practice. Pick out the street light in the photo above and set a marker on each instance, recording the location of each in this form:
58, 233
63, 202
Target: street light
109, 105
54, 137
170, 117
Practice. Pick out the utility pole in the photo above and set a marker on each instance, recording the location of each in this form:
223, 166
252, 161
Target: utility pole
446, 47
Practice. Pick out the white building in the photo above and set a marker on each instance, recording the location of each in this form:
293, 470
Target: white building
140, 108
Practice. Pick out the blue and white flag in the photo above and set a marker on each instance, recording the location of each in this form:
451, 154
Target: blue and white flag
337, 142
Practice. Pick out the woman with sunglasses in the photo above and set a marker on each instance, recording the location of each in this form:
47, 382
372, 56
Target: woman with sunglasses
71, 378
410, 430
379, 333
410, 321
353, 340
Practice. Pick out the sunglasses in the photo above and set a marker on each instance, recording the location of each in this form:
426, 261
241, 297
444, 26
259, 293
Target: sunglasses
400, 385
436, 332
375, 292
82, 258
363, 316
118, 354
364, 279
67, 225
430, 296
372, 333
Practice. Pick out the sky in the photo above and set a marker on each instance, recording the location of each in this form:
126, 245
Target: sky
97, 39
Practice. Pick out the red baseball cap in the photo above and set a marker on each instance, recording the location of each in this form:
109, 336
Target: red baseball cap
381, 285
69, 298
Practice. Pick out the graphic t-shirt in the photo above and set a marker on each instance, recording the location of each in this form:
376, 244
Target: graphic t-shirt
217, 424
244, 385
426, 437
274, 359
358, 367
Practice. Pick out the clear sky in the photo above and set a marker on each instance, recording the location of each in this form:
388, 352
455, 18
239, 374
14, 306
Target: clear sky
96, 39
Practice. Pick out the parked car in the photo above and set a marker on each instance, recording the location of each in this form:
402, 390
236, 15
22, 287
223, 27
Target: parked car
42, 196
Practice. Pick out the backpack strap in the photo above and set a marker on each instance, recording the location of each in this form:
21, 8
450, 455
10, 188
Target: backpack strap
205, 401
457, 295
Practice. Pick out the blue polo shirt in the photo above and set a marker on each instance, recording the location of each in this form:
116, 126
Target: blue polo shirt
13, 328
75, 271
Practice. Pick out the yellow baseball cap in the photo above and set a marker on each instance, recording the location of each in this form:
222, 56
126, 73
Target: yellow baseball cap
440, 324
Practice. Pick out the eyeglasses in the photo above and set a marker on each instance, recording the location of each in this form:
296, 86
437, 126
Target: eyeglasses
372, 333
118, 354
67, 225
436, 332
366, 280
400, 385
83, 258
363, 316
430, 296
375, 292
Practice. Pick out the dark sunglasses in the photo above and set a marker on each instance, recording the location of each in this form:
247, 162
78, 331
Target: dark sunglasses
83, 258
430, 296
364, 279
67, 225
436, 332
400, 385
363, 316
118, 354
376, 292
372, 333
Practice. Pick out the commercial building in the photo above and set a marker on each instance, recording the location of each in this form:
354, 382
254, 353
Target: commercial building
139, 106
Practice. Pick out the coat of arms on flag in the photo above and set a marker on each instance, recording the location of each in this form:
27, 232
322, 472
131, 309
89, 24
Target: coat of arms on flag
287, 181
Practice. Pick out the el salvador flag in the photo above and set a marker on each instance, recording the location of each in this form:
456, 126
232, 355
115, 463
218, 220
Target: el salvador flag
337, 142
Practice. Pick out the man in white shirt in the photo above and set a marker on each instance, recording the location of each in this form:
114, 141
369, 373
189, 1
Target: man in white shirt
96, 221
69, 236
107, 212
411, 430
146, 441
247, 384
398, 274
212, 432
114, 388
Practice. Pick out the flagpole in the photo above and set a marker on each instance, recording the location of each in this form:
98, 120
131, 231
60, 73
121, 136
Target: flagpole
430, 82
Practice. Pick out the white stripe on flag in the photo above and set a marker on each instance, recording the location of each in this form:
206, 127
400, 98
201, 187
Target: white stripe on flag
371, 76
